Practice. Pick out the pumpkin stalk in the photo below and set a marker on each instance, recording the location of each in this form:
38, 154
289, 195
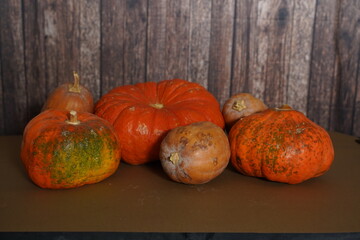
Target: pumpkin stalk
73, 119
157, 105
174, 157
76, 86
239, 105
284, 107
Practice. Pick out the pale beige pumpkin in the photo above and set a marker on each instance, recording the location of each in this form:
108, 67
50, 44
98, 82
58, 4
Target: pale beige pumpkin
239, 106
196, 153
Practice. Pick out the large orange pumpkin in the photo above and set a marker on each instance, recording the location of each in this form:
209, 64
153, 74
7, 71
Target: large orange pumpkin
67, 150
280, 145
143, 113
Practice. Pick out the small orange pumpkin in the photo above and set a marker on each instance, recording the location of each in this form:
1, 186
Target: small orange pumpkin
68, 150
239, 106
196, 153
280, 145
143, 113
70, 96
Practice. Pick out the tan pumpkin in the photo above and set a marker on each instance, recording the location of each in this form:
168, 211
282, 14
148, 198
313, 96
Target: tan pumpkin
196, 153
239, 106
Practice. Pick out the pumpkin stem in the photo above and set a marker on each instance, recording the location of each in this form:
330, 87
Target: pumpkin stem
73, 119
284, 107
157, 105
239, 105
76, 86
174, 157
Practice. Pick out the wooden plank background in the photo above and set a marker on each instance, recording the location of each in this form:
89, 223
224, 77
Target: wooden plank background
304, 53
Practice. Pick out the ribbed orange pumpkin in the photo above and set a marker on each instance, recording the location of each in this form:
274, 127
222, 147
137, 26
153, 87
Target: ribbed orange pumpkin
143, 113
280, 145
67, 150
70, 96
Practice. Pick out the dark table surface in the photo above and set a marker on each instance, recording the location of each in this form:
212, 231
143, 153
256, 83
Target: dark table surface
143, 199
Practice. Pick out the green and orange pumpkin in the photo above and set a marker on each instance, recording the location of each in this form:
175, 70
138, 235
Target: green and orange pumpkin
62, 149
280, 144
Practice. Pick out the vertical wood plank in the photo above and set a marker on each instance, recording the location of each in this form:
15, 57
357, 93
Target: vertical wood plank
240, 81
135, 41
13, 67
323, 59
348, 51
356, 117
112, 44
90, 45
168, 40
200, 19
222, 25
34, 57
156, 41
300, 52
177, 39
270, 44
62, 41
2, 116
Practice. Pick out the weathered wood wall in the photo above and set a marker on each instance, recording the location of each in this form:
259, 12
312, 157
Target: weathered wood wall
304, 53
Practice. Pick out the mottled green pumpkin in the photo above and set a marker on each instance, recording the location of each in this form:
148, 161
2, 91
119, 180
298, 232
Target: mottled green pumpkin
63, 149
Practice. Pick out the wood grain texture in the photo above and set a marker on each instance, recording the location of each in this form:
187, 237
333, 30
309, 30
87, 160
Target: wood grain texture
156, 41
323, 64
177, 39
34, 57
300, 50
62, 41
348, 53
135, 41
13, 67
112, 44
304, 53
221, 41
240, 81
89, 69
200, 25
269, 44
2, 115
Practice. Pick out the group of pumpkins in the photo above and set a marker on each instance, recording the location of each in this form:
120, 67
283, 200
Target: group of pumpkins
74, 142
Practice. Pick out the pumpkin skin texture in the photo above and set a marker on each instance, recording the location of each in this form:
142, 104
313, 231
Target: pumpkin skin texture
70, 96
67, 150
239, 106
143, 113
281, 145
196, 153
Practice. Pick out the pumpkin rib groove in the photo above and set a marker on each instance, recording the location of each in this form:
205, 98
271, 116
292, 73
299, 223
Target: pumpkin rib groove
184, 86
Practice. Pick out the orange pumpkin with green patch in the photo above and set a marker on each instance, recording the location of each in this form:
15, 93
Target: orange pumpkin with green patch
62, 149
280, 145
